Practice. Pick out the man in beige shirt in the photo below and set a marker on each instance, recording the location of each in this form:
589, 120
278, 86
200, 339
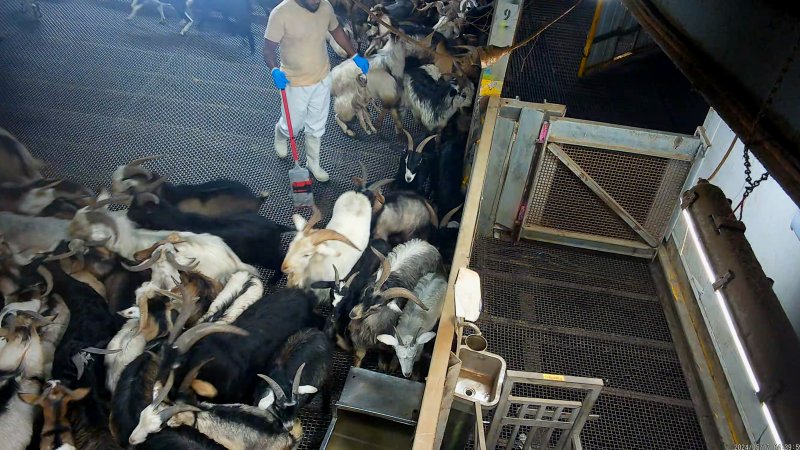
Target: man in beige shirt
300, 28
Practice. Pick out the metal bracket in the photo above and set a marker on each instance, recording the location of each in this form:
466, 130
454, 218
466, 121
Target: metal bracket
687, 198
722, 281
721, 222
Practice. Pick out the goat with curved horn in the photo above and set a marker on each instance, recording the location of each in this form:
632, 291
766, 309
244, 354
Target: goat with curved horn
188, 308
386, 269
447, 217
48, 279
316, 216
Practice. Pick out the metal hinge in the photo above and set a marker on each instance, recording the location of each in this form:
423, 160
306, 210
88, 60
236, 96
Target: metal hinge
723, 280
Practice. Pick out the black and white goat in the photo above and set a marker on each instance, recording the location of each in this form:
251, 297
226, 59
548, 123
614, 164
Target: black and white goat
213, 198
299, 372
415, 167
237, 359
433, 98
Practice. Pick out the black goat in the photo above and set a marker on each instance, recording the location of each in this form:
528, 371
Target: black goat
404, 215
237, 358
299, 371
255, 239
213, 198
415, 167
134, 393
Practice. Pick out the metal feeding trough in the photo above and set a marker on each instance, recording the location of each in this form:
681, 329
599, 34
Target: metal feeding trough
376, 412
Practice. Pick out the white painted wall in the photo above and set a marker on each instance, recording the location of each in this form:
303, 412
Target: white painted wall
768, 214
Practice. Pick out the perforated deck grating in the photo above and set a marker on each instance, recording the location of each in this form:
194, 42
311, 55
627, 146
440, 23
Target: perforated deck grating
649, 92
559, 310
86, 91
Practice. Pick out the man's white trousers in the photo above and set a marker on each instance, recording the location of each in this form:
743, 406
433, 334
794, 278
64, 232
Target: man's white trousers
309, 107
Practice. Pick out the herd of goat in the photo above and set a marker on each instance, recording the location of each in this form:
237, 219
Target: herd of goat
149, 326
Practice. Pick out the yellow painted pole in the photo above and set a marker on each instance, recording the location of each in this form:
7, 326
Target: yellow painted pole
590, 38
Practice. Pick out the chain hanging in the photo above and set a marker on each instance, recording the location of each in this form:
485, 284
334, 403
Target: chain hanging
750, 185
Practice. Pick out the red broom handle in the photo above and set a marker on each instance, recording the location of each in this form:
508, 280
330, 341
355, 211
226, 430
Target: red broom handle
289, 124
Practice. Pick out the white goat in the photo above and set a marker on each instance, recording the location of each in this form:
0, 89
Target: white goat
313, 253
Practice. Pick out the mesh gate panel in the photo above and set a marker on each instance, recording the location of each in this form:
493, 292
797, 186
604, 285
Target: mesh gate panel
555, 309
645, 186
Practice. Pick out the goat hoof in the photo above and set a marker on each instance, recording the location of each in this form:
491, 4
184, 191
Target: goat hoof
350, 133
162, 22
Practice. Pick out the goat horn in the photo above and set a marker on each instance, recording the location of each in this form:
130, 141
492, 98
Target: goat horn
98, 217
132, 171
350, 280
146, 264
50, 185
97, 243
188, 308
144, 310
148, 197
276, 388
421, 145
101, 351
335, 276
66, 255
316, 216
191, 336
296, 382
140, 161
168, 293
410, 141
393, 293
432, 213
379, 184
164, 391
449, 215
179, 266
48, 279
155, 184
110, 200
386, 269
191, 376
167, 413
321, 236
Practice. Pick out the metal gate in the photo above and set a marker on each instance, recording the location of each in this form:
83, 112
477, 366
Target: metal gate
614, 35
586, 184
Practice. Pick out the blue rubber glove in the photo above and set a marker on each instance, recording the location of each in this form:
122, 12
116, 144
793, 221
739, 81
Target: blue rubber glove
279, 78
362, 63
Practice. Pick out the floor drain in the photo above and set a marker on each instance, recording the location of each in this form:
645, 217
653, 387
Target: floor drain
470, 392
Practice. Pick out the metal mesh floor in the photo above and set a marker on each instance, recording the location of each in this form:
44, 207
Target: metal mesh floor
559, 310
649, 92
86, 91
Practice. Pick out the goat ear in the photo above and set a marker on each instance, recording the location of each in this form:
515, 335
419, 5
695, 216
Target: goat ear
425, 337
31, 399
267, 401
299, 222
388, 340
204, 388
79, 394
307, 389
